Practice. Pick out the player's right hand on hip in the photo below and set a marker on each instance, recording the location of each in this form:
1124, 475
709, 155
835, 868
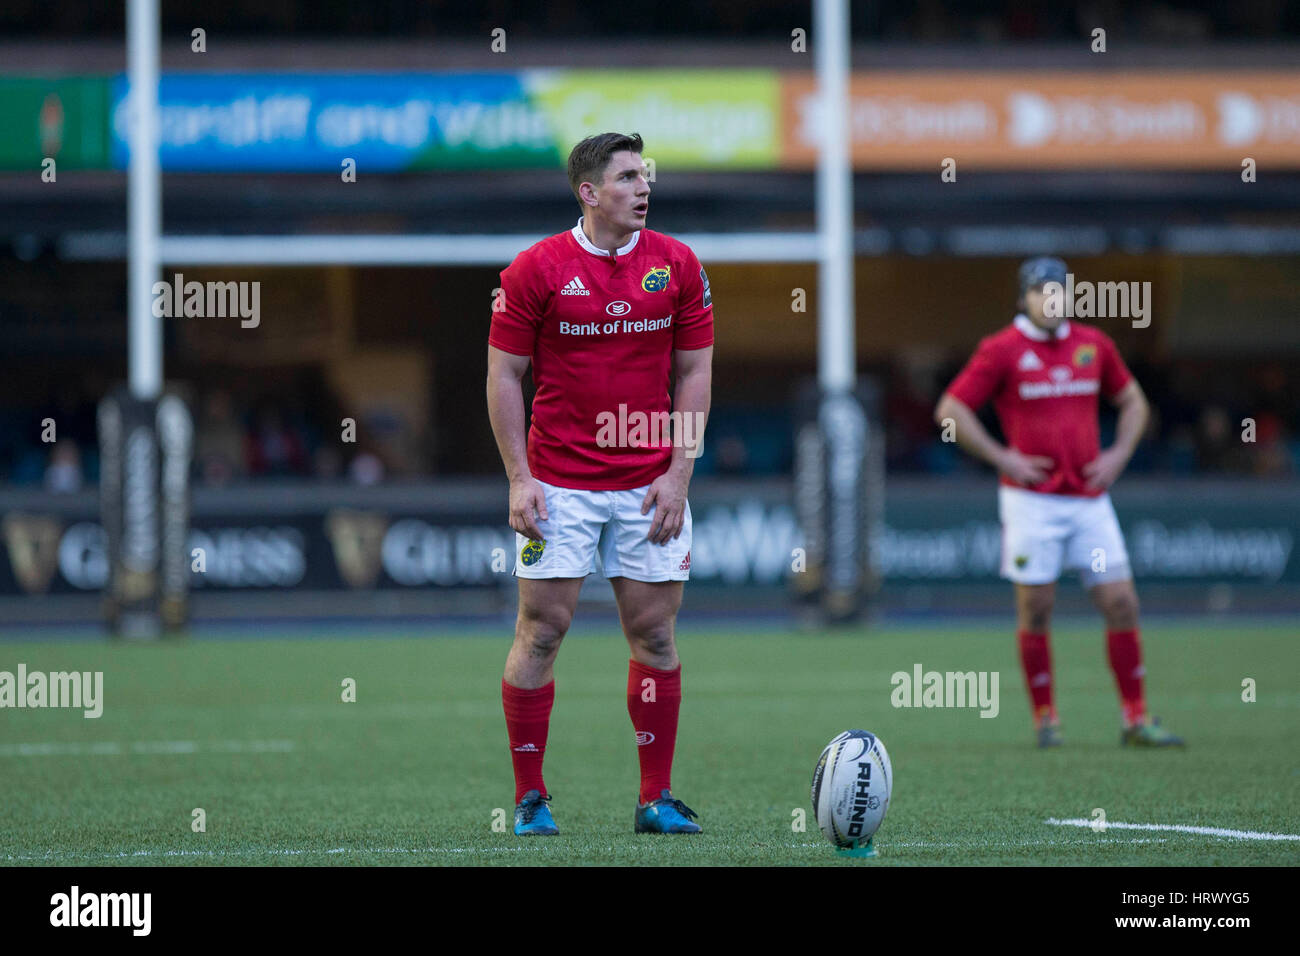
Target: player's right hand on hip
527, 505
1025, 469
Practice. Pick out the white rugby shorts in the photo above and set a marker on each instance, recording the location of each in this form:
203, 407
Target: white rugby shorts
582, 525
1043, 534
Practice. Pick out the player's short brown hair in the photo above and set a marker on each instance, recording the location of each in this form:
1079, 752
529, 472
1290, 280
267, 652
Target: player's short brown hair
587, 160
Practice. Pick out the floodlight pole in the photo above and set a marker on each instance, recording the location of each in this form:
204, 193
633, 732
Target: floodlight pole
836, 342
144, 201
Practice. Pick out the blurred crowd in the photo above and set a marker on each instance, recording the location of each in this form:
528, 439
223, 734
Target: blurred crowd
232, 444
1207, 419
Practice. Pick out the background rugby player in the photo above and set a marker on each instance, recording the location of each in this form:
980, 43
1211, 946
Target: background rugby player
1044, 375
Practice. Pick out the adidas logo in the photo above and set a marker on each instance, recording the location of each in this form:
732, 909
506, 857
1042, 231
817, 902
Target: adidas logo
1029, 362
526, 749
686, 563
575, 287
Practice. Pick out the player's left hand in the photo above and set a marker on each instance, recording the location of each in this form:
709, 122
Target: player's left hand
668, 495
1103, 470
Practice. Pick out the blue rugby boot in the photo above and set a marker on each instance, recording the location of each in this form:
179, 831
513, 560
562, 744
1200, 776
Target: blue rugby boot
665, 815
533, 816
1149, 734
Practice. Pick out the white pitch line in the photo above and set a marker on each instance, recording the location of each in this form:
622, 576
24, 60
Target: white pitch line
1177, 828
528, 848
984, 846
114, 749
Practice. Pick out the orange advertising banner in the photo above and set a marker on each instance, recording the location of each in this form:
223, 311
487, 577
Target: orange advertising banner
914, 120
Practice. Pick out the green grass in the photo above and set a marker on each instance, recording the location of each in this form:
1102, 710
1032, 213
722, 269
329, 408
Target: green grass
412, 772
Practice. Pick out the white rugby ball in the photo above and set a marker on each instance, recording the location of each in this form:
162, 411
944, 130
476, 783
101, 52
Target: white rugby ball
851, 788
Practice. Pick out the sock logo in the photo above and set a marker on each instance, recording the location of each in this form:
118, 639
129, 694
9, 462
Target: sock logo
644, 737
526, 749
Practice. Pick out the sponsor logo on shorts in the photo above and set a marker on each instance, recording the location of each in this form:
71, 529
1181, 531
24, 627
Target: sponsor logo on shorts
656, 280
532, 552
644, 737
686, 563
1022, 560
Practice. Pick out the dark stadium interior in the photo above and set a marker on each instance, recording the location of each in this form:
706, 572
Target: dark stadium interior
988, 21
910, 339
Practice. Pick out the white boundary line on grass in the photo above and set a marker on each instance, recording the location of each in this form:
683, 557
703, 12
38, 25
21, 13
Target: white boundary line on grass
156, 747
534, 847
1176, 828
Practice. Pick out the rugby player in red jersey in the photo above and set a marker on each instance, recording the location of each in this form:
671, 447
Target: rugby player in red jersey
1044, 375
617, 322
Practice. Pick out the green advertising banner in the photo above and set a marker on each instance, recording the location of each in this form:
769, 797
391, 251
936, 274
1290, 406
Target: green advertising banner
59, 118
701, 119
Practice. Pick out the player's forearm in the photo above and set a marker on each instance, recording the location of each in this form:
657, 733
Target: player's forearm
1132, 423
505, 398
692, 397
971, 435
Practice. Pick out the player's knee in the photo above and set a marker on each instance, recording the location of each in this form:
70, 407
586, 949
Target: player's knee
1036, 612
543, 628
652, 635
1121, 610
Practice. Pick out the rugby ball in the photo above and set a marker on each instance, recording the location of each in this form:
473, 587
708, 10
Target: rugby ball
851, 788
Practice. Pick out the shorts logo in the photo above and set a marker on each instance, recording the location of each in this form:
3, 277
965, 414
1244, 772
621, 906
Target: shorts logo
656, 280
1022, 560
644, 737
686, 563
1085, 355
532, 553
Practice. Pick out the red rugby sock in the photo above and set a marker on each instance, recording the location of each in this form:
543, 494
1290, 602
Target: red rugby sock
1124, 648
1036, 660
528, 718
654, 698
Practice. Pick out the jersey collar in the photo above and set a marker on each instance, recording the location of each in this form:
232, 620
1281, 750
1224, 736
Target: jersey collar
581, 239
1031, 331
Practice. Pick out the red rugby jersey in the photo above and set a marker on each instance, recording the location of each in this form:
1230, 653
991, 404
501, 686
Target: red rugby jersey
1044, 389
601, 331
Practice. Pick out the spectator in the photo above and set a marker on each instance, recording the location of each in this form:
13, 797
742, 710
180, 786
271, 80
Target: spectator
63, 476
274, 449
219, 449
